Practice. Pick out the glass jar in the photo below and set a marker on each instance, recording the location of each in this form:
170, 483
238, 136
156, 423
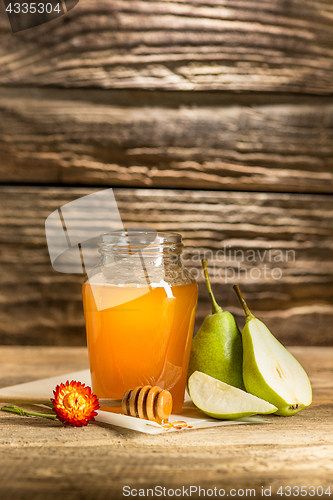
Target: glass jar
139, 306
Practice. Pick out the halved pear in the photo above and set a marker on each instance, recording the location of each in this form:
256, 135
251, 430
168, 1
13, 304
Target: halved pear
270, 371
223, 401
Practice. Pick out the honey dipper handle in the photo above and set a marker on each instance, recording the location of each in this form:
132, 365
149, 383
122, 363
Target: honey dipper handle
110, 402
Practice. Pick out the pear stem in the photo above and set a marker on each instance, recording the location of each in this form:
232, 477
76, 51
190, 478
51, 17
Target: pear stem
243, 303
215, 307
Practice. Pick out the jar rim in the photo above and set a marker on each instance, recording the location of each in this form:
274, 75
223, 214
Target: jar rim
138, 240
161, 236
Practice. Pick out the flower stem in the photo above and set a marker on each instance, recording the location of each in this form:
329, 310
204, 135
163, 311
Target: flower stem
19, 411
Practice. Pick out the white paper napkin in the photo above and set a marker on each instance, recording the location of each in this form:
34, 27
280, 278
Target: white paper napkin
194, 418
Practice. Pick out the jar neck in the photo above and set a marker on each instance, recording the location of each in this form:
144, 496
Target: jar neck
140, 258
139, 244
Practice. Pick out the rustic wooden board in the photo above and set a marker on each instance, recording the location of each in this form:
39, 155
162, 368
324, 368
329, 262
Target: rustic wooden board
41, 306
184, 45
41, 459
212, 141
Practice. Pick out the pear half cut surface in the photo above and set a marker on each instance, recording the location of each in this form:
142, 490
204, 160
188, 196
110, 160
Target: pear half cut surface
223, 401
270, 371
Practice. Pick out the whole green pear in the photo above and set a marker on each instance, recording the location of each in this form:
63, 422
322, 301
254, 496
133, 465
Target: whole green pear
270, 371
217, 347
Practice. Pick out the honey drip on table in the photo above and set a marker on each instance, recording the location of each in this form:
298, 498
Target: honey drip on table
177, 424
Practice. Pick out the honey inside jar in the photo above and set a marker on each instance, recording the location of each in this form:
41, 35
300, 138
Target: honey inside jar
139, 335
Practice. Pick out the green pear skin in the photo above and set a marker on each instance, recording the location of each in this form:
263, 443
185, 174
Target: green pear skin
270, 371
217, 347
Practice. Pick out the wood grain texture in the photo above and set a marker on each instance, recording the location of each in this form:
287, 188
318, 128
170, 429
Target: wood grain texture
149, 139
41, 306
41, 459
32, 362
232, 45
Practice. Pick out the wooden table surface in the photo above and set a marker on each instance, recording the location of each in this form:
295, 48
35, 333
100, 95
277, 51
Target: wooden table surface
41, 459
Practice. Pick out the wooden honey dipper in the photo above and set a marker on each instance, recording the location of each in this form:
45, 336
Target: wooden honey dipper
147, 402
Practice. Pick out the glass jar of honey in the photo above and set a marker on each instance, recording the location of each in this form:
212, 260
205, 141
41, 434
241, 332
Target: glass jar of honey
139, 305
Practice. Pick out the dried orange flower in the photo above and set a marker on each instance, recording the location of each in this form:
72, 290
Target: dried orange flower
74, 403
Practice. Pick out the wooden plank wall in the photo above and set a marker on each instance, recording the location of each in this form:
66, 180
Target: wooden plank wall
213, 119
